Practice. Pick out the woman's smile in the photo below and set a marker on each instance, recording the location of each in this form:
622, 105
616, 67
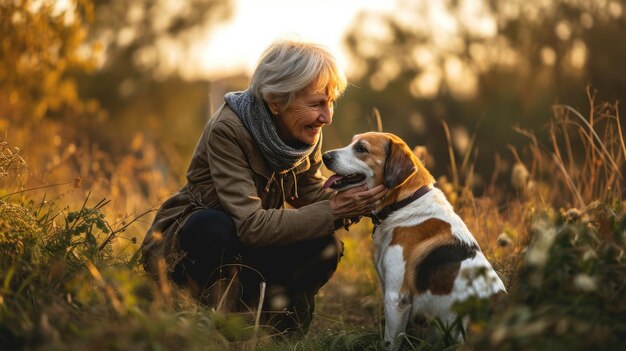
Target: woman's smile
305, 117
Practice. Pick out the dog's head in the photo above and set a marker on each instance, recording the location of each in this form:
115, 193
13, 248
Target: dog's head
373, 159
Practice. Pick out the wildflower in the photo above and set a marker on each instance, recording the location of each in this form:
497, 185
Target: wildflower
585, 283
538, 251
499, 334
519, 176
589, 254
572, 214
504, 240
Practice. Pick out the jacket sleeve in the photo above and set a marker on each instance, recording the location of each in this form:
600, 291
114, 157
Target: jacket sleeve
233, 179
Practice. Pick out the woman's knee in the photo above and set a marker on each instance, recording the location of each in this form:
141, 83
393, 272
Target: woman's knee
207, 230
314, 276
333, 249
304, 266
207, 241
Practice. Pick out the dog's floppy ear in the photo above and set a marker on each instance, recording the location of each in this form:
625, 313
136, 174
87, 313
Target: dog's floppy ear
399, 165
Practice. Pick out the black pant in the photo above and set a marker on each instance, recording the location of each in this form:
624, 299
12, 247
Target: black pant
293, 273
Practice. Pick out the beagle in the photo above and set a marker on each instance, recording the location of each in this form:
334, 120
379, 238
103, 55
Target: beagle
425, 256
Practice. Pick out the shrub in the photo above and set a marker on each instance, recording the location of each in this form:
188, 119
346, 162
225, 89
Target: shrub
570, 290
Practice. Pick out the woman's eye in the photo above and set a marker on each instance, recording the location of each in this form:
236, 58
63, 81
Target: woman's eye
324, 104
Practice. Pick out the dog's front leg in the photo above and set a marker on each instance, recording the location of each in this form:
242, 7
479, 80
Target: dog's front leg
397, 300
397, 311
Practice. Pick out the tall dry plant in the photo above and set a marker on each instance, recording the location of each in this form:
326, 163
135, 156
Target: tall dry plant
584, 162
580, 168
10, 159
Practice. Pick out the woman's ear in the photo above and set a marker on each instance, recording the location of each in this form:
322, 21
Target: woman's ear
274, 107
399, 165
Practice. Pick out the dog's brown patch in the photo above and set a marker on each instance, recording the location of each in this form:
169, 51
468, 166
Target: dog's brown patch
438, 271
432, 254
414, 235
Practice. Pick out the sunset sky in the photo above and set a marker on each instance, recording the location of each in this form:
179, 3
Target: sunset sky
236, 45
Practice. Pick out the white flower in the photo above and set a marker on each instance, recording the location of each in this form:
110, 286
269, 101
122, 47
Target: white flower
585, 282
519, 176
589, 254
544, 235
504, 240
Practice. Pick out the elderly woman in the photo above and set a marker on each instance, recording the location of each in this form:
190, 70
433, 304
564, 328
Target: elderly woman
262, 148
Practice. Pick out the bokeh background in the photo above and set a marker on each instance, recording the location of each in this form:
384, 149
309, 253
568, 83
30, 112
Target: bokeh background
140, 78
513, 105
109, 97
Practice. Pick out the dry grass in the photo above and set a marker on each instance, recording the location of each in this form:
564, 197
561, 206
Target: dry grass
69, 280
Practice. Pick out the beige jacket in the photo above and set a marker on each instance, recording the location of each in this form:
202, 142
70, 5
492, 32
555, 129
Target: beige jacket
228, 172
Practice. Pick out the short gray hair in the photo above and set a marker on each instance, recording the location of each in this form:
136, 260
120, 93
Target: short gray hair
287, 67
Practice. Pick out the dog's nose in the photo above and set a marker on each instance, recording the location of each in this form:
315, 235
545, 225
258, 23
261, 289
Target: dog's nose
328, 158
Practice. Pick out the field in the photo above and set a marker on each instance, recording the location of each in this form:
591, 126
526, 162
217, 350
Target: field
70, 280
101, 102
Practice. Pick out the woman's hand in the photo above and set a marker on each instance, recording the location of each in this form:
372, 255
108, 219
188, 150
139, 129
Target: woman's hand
357, 201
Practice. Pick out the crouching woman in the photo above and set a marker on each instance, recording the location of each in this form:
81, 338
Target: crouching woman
262, 148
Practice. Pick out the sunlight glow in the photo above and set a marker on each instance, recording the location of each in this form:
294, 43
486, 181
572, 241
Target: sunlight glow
461, 80
615, 9
578, 55
563, 30
234, 47
476, 18
548, 56
426, 85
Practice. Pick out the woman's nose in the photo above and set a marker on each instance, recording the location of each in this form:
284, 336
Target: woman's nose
326, 116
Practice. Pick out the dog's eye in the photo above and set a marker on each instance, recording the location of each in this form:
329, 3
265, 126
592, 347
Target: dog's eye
360, 148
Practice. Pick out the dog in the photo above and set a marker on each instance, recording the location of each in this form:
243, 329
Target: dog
425, 256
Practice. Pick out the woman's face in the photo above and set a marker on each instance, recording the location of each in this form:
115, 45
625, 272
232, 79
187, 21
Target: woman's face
304, 118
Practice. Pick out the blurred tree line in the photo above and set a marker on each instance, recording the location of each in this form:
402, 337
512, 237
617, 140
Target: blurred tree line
100, 76
483, 67
108, 75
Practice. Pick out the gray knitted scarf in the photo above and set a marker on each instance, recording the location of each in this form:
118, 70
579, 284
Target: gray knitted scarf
257, 119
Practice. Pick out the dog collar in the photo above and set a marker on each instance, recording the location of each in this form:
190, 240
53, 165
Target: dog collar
378, 217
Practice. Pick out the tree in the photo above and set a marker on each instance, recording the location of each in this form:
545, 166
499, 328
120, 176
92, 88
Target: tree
41, 44
146, 42
104, 45
69, 70
485, 67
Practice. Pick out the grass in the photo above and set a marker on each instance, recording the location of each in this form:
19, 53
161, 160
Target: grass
69, 278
